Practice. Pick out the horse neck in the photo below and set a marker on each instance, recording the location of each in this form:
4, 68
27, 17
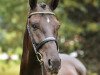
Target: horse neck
29, 65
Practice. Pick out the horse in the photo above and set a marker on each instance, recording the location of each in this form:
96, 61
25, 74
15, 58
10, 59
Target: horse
40, 54
71, 66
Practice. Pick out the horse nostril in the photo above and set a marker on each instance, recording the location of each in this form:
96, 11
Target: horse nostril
50, 63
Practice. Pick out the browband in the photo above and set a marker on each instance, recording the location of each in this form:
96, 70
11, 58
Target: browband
34, 13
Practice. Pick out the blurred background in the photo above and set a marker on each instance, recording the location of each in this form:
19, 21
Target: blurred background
79, 34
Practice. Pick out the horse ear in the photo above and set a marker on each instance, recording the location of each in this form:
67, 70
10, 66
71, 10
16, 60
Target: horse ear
32, 3
53, 4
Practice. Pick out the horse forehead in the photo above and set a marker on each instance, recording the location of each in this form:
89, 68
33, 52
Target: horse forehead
40, 8
35, 18
48, 20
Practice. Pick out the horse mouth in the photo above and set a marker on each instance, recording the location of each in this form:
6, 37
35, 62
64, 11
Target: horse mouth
53, 72
54, 68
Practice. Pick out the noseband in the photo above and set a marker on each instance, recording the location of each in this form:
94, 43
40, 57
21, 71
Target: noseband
38, 46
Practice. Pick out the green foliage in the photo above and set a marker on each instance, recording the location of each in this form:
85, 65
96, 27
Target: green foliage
9, 68
12, 23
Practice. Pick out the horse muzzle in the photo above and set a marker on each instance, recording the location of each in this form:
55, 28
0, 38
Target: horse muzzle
54, 65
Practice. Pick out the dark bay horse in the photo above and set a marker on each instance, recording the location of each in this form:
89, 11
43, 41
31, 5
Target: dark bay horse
40, 48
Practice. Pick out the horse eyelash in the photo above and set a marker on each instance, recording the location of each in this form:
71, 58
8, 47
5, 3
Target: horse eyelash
35, 25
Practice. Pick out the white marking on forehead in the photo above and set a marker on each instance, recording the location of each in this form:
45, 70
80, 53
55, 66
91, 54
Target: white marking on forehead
48, 20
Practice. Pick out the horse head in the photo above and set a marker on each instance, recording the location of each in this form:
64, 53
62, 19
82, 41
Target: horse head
43, 29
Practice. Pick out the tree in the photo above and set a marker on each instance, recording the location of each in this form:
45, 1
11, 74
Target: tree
82, 20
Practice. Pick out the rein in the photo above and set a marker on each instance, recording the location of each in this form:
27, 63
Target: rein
38, 46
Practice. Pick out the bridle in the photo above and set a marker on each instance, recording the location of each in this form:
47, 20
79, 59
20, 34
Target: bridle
38, 46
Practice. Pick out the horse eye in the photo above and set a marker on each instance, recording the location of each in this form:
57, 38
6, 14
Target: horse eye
34, 26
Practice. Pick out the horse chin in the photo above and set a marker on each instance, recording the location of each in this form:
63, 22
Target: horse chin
54, 72
50, 73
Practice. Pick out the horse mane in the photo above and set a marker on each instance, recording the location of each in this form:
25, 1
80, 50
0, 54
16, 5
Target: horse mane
25, 53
